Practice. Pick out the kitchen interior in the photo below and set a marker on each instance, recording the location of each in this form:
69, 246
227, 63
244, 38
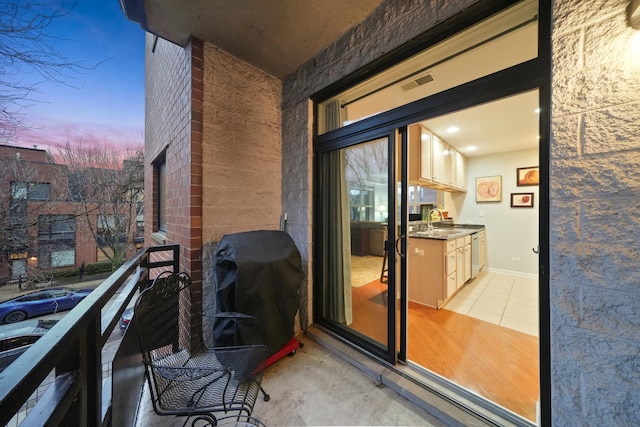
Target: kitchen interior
472, 266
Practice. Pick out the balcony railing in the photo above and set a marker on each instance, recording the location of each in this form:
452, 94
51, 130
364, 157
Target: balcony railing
69, 356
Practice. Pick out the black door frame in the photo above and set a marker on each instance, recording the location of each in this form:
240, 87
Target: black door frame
530, 75
386, 353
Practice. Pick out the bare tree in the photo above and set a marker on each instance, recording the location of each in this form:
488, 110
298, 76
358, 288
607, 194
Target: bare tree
367, 164
28, 57
108, 187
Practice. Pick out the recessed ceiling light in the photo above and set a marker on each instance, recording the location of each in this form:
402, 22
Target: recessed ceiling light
537, 110
471, 148
453, 129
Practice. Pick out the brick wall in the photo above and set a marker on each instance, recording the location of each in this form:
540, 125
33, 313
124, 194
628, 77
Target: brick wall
28, 154
595, 184
241, 147
219, 121
241, 153
173, 124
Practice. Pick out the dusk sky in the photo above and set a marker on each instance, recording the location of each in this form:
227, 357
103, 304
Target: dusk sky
104, 105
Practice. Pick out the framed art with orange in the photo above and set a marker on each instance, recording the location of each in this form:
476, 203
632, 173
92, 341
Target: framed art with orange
528, 176
489, 189
521, 200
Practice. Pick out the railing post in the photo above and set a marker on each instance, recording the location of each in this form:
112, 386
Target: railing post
93, 368
176, 259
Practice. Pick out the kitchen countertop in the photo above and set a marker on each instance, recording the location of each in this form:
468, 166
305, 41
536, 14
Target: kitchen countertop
444, 232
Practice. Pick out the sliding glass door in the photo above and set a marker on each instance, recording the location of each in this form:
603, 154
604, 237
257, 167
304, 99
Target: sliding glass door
428, 132
356, 204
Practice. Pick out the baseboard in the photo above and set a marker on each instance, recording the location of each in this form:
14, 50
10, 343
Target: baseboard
511, 272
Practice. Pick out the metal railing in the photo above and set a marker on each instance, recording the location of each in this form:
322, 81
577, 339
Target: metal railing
69, 356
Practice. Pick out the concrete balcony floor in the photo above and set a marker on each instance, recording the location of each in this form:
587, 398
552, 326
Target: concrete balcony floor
317, 387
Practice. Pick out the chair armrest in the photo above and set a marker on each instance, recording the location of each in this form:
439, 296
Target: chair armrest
191, 373
228, 315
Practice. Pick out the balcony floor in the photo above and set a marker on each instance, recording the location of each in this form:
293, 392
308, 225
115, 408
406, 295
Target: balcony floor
315, 387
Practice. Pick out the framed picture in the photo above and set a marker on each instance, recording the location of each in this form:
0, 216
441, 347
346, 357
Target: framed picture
528, 176
489, 189
521, 200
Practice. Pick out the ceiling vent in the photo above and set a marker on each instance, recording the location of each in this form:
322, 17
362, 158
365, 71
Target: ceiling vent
427, 78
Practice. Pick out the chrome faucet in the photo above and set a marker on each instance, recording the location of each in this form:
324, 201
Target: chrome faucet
429, 225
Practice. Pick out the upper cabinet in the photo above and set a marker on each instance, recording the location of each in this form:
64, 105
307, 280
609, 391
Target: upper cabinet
441, 166
434, 163
459, 163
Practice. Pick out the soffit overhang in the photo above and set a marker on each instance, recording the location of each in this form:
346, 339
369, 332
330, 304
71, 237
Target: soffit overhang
276, 36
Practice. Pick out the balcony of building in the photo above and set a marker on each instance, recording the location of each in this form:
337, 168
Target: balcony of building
78, 374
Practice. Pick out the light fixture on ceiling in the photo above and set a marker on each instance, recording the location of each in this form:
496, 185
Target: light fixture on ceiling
453, 129
471, 148
633, 14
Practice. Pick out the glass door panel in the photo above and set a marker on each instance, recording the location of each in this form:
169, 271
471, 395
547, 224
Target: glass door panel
354, 213
473, 319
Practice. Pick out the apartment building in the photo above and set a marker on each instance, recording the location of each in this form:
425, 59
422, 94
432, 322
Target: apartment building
45, 227
243, 130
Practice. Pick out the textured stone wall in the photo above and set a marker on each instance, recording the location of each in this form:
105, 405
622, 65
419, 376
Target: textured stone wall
595, 227
392, 24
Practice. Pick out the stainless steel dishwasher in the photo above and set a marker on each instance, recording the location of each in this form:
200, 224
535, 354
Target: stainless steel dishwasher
475, 254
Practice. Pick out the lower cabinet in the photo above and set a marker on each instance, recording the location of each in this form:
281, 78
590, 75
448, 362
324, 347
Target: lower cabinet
437, 269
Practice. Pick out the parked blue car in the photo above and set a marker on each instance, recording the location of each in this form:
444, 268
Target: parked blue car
39, 303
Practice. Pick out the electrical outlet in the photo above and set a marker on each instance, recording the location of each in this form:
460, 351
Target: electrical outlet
514, 259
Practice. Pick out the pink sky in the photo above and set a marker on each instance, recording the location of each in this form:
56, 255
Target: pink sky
49, 134
104, 105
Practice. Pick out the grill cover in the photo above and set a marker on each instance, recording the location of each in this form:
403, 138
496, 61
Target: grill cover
259, 273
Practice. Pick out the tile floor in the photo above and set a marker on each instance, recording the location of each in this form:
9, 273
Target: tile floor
503, 299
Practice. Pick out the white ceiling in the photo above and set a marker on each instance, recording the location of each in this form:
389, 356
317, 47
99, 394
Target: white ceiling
509, 124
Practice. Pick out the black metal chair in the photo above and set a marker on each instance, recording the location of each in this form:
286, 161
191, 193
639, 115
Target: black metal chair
185, 377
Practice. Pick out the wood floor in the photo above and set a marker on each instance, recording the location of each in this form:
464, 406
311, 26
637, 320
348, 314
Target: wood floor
495, 362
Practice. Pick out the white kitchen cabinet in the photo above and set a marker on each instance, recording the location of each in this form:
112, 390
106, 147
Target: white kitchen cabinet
460, 171
433, 270
459, 262
419, 155
441, 162
433, 163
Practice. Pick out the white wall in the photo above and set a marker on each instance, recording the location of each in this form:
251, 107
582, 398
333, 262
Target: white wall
511, 232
